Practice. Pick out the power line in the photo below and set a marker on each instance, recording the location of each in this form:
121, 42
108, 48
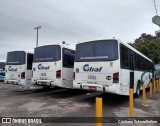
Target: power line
155, 7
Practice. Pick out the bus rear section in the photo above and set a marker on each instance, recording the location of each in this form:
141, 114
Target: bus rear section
96, 66
48, 69
2, 71
18, 68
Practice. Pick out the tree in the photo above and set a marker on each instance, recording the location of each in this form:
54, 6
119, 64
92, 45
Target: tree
148, 45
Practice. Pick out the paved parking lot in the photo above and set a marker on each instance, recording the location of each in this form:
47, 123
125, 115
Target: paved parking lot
59, 102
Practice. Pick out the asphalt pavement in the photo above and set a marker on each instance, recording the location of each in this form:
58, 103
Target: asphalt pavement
61, 102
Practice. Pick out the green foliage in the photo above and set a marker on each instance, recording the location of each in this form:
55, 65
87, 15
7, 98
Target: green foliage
148, 45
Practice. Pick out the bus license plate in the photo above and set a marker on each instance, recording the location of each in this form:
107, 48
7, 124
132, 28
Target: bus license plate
42, 82
12, 75
43, 74
92, 88
92, 77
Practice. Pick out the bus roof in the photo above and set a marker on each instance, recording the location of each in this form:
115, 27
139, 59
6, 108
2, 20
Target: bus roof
60, 44
26, 51
2, 61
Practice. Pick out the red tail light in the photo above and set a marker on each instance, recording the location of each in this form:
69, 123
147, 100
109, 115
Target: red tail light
58, 74
116, 77
23, 75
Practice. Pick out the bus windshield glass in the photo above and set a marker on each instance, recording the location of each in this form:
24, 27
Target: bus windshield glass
47, 53
16, 58
102, 50
2, 65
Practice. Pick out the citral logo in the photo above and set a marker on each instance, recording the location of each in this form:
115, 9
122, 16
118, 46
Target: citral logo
40, 67
12, 69
87, 68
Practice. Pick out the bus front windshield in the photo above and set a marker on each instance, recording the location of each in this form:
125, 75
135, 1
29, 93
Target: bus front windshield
47, 53
16, 58
2, 65
101, 50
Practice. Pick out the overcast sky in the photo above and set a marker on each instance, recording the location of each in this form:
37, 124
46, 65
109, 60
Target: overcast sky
72, 21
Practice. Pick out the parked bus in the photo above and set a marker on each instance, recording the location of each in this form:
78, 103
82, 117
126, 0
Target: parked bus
2, 71
19, 68
53, 65
157, 71
109, 66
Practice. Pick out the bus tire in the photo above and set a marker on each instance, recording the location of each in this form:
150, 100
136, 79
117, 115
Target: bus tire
138, 91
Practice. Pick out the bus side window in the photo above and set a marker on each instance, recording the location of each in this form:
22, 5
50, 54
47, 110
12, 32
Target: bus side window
68, 58
29, 61
131, 62
124, 57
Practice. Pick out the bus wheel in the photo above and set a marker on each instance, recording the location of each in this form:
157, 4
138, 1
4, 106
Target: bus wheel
138, 91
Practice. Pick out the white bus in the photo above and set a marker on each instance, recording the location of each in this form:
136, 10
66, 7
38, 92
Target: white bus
18, 68
53, 65
2, 71
109, 66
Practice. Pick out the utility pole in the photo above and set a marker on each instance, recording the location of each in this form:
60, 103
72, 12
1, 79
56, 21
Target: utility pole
37, 28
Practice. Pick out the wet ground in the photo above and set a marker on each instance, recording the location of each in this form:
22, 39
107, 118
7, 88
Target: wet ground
60, 102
